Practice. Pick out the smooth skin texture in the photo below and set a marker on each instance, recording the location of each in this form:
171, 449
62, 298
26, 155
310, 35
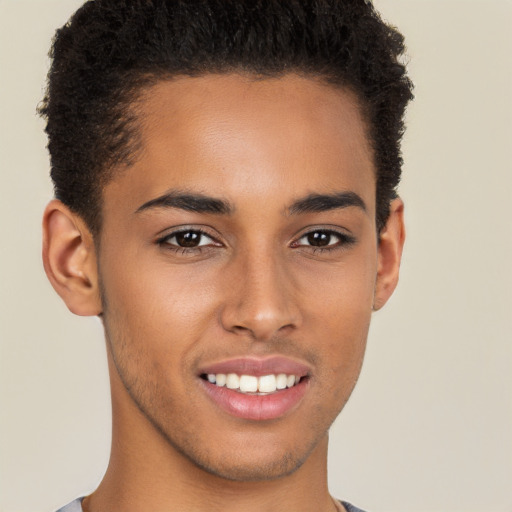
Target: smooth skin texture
259, 269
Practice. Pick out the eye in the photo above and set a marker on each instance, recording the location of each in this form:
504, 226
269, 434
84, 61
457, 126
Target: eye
324, 239
187, 239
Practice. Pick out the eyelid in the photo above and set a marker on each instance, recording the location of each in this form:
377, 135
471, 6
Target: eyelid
345, 238
171, 232
336, 230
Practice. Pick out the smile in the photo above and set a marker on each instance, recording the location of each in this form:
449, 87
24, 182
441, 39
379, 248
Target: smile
252, 384
256, 389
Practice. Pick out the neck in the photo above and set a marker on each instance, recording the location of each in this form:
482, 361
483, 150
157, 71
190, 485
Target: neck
146, 473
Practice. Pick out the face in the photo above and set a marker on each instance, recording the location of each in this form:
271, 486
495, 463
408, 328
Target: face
238, 262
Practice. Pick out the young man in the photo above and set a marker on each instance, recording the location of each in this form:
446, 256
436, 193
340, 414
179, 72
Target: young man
225, 176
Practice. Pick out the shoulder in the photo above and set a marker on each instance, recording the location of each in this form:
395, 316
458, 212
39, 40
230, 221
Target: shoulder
74, 506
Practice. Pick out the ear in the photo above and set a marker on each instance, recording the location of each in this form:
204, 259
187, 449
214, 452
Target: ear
69, 258
391, 243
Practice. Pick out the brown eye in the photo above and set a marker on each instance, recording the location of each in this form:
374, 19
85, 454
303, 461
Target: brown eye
189, 239
319, 238
324, 239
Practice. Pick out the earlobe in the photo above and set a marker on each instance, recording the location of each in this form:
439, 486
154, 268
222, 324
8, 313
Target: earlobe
69, 259
391, 243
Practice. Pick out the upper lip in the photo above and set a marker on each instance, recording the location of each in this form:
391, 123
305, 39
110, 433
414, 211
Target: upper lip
257, 366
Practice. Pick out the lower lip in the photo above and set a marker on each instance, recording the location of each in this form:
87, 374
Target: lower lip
256, 407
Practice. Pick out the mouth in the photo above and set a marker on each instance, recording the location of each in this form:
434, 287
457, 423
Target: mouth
256, 389
252, 384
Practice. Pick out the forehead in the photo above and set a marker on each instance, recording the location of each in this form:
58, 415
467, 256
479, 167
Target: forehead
241, 137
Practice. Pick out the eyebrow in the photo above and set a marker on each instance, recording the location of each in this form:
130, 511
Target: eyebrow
200, 203
191, 202
316, 203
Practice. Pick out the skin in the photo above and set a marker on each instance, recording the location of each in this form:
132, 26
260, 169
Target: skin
255, 287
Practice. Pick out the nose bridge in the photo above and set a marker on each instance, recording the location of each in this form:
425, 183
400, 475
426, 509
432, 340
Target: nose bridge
262, 299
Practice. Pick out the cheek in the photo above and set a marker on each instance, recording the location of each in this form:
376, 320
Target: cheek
339, 310
153, 297
157, 317
342, 294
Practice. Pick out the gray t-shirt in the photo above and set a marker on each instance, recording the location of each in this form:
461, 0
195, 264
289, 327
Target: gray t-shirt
76, 506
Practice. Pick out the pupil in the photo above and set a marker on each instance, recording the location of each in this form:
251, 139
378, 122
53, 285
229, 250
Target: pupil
319, 238
188, 239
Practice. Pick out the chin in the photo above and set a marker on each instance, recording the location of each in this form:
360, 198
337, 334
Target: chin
239, 460
252, 470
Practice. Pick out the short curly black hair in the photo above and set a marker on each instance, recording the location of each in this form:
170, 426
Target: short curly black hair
111, 50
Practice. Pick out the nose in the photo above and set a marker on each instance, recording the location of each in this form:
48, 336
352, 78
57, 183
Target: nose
261, 300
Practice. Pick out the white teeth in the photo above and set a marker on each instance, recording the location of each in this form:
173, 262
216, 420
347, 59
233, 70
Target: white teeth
248, 384
267, 384
252, 384
232, 381
281, 381
220, 379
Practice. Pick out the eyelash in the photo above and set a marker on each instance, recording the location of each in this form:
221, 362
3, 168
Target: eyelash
344, 241
164, 241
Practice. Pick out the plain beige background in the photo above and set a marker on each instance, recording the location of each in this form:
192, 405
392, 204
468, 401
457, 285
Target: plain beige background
429, 427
